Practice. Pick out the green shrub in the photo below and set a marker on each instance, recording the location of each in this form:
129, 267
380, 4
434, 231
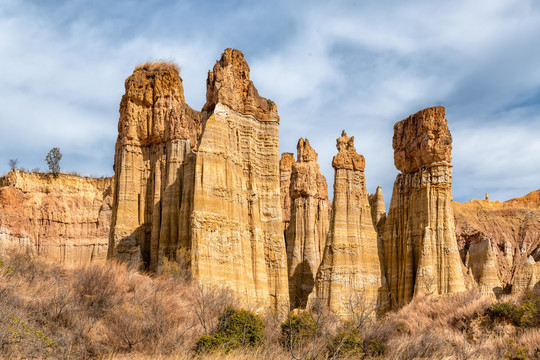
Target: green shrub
236, 329
528, 313
298, 327
504, 311
347, 342
515, 351
374, 347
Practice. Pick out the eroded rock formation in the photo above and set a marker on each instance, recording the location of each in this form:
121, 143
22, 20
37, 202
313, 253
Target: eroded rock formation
512, 227
285, 169
421, 251
157, 131
378, 210
236, 221
206, 182
350, 273
65, 219
309, 220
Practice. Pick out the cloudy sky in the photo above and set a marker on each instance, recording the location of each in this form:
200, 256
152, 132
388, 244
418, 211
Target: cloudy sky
329, 65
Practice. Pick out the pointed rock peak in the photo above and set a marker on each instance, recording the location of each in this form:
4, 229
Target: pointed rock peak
305, 152
487, 197
347, 157
286, 162
422, 140
228, 84
379, 191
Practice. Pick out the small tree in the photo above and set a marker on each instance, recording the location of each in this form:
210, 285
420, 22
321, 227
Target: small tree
13, 163
53, 160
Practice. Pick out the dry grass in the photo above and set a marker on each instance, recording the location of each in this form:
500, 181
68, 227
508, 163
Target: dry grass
158, 66
113, 312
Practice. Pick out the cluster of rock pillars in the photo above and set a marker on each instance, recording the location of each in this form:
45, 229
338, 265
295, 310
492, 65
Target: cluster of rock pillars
211, 183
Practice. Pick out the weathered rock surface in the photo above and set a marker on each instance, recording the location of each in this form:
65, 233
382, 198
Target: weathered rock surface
207, 182
285, 169
528, 278
481, 262
350, 273
420, 246
308, 228
64, 219
378, 210
512, 227
236, 222
157, 131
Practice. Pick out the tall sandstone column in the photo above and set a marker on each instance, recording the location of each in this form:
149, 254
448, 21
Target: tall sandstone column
350, 273
236, 221
421, 251
308, 228
285, 169
156, 131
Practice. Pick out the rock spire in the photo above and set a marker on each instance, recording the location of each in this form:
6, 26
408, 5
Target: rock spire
350, 272
309, 220
421, 252
236, 229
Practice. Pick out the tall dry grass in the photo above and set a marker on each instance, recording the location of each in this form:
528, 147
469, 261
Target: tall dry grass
111, 311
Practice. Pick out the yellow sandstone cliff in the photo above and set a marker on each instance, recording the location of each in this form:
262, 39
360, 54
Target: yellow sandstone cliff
420, 246
65, 218
350, 273
236, 220
513, 230
157, 131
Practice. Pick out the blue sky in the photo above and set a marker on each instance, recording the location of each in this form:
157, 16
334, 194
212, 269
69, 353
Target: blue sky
329, 65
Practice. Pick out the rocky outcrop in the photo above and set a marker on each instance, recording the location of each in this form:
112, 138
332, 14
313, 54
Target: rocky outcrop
206, 182
512, 227
350, 273
378, 210
306, 234
285, 169
236, 221
481, 263
420, 246
65, 219
157, 131
528, 278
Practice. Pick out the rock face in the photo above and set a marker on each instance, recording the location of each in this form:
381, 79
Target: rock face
285, 169
513, 229
64, 219
481, 262
420, 246
236, 221
156, 133
308, 228
378, 210
350, 273
206, 182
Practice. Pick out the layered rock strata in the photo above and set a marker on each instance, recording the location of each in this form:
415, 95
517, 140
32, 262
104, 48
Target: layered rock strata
350, 273
512, 227
420, 246
65, 219
157, 131
481, 263
285, 169
378, 210
206, 182
236, 221
309, 221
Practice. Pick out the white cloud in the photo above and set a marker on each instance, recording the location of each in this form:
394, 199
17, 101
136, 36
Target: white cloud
358, 66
